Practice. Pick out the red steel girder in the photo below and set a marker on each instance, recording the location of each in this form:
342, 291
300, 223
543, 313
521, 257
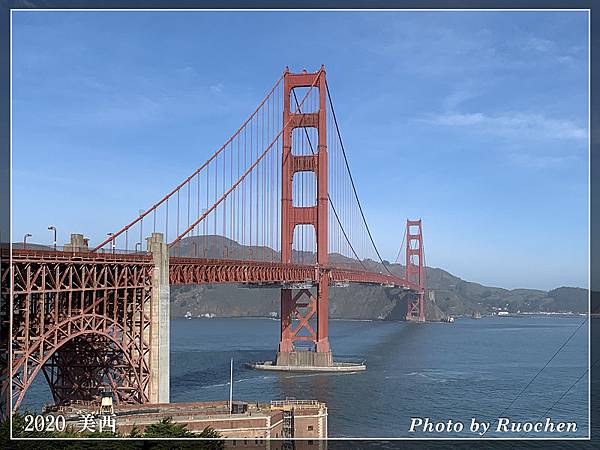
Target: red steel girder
218, 271
98, 304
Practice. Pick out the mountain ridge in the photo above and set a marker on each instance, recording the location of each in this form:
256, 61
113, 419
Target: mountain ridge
451, 294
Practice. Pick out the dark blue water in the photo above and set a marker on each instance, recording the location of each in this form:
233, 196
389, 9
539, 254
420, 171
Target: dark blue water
471, 368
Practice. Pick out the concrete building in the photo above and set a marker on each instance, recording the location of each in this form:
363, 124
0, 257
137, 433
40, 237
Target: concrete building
250, 425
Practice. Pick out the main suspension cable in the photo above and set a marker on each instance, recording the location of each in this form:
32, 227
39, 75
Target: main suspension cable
244, 175
352, 180
397, 261
328, 195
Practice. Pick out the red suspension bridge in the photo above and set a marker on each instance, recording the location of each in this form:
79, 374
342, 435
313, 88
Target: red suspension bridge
276, 206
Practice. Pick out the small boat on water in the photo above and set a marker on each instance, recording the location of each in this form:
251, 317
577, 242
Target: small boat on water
207, 315
447, 319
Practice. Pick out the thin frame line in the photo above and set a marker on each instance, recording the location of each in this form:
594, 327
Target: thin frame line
588, 10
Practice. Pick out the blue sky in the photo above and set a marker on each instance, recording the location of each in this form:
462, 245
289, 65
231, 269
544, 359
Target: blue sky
475, 121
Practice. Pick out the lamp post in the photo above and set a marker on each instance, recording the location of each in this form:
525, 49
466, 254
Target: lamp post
25, 240
112, 242
53, 228
231, 388
136, 246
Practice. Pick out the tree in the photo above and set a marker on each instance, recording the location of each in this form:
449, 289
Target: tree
209, 432
167, 428
135, 432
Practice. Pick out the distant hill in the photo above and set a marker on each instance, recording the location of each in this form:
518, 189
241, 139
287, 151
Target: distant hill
451, 295
31, 246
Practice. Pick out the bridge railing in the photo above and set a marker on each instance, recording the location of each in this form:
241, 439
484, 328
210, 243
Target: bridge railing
70, 249
61, 253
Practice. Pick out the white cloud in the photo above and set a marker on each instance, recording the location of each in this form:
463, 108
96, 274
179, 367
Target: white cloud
541, 161
458, 119
217, 88
540, 44
456, 98
518, 125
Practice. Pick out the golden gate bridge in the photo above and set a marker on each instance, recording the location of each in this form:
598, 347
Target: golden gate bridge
276, 205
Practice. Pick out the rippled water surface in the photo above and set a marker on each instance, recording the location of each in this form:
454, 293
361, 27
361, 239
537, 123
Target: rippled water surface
471, 368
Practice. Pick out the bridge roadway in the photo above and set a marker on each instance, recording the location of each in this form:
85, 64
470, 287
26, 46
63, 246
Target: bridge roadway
184, 270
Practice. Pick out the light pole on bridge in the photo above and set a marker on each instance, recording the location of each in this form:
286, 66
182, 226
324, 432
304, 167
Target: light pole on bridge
112, 242
25, 240
53, 228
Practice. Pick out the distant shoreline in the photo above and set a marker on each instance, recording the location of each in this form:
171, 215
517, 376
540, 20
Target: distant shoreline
275, 318
521, 315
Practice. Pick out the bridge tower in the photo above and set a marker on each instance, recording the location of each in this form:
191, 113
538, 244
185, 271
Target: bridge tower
303, 305
415, 271
160, 316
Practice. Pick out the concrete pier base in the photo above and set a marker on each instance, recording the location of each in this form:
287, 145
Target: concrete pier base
336, 367
415, 319
307, 361
304, 358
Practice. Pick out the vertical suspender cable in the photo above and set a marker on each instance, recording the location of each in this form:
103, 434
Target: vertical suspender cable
352, 180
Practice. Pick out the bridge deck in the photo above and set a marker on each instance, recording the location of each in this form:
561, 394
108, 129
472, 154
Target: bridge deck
185, 270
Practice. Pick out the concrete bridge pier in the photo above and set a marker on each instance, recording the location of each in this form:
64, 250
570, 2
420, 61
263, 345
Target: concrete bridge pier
160, 322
